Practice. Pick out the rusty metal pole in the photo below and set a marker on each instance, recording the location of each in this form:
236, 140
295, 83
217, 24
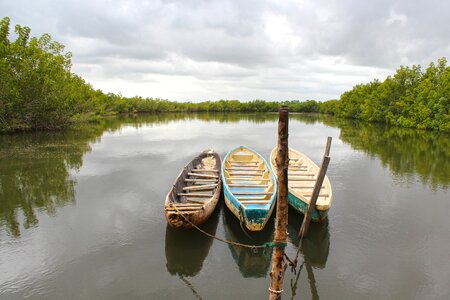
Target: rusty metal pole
282, 161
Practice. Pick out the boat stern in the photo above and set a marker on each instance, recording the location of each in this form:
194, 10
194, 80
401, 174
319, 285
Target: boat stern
301, 206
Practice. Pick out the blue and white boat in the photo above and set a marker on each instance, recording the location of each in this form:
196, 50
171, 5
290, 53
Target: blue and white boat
250, 187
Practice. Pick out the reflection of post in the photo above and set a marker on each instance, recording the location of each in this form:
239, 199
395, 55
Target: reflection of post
312, 280
282, 160
191, 287
317, 188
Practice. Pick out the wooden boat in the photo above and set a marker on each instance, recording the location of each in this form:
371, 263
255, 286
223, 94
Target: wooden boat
249, 187
302, 175
195, 193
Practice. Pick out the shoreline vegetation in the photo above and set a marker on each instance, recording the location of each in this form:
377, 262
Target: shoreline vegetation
38, 91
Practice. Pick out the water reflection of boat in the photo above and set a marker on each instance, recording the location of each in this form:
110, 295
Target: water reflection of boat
187, 249
251, 263
316, 243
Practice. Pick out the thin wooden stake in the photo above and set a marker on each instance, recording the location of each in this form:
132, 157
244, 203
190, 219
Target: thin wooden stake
282, 161
316, 190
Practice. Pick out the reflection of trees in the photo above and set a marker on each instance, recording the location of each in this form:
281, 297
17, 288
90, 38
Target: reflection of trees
405, 151
34, 167
139, 120
34, 173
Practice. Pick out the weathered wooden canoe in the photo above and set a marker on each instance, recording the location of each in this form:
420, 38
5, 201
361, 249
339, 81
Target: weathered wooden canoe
196, 192
249, 187
302, 174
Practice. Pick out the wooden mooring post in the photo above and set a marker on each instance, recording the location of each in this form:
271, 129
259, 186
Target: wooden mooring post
316, 190
282, 161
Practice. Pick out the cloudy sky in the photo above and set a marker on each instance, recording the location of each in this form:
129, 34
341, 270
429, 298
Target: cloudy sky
192, 50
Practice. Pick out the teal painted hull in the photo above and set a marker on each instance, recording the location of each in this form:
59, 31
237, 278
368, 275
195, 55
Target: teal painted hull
253, 216
300, 206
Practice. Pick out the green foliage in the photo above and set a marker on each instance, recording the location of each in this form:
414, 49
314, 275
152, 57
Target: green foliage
328, 107
411, 98
35, 73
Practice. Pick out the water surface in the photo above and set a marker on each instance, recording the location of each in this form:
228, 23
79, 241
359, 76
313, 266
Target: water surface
81, 213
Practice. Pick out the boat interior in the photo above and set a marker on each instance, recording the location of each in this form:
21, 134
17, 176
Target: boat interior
198, 183
248, 178
302, 175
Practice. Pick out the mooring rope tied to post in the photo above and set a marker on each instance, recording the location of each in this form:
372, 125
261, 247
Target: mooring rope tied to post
254, 248
276, 291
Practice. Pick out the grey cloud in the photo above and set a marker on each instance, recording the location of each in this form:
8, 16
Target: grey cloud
226, 40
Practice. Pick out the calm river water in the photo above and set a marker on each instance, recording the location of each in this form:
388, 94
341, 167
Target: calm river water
81, 213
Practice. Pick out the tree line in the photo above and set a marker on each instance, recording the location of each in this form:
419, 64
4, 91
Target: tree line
412, 97
38, 91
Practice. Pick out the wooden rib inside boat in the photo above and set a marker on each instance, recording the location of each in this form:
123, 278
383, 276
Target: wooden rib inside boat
195, 193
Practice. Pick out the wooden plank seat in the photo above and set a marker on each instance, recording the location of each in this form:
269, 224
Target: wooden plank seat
200, 187
232, 161
184, 207
187, 209
245, 174
185, 204
241, 154
200, 180
303, 187
247, 185
199, 195
249, 167
304, 174
238, 172
252, 166
302, 179
255, 201
203, 175
245, 169
204, 170
252, 193
246, 179
197, 201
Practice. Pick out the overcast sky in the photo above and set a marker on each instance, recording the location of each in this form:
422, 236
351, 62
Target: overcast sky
192, 50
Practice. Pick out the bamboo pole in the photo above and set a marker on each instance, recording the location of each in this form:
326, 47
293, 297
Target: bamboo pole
316, 190
282, 161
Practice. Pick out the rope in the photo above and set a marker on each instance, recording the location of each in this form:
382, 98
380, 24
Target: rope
293, 262
253, 247
275, 291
